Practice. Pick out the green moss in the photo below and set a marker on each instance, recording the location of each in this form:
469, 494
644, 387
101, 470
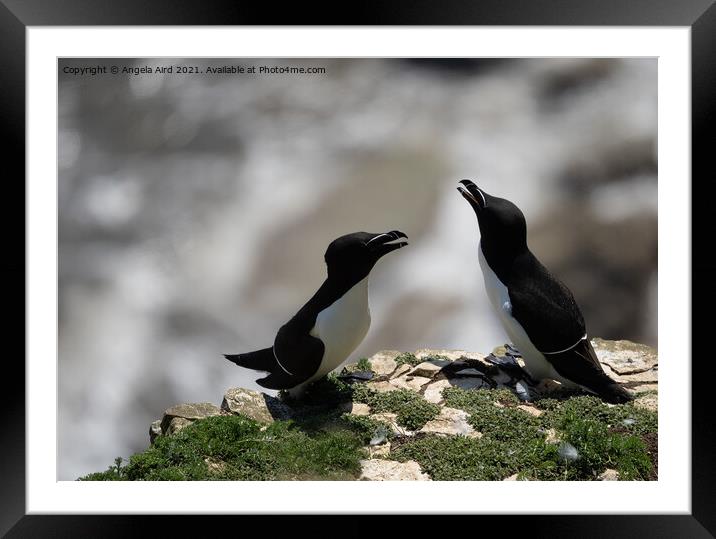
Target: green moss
513, 441
600, 449
412, 410
414, 416
460, 458
364, 365
408, 359
501, 421
235, 448
362, 393
625, 417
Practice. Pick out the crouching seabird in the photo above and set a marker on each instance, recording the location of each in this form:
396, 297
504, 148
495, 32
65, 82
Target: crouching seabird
537, 311
327, 329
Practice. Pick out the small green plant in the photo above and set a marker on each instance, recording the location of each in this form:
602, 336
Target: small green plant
599, 449
408, 359
493, 412
113, 473
412, 410
364, 365
435, 357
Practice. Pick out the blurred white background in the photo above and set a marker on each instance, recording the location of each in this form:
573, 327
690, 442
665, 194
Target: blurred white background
194, 212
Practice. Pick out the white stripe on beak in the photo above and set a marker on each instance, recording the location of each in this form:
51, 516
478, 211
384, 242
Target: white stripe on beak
378, 236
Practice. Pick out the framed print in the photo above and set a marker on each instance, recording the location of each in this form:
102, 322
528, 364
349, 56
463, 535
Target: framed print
192, 178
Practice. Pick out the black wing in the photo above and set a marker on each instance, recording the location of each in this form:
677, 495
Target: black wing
298, 356
544, 307
580, 365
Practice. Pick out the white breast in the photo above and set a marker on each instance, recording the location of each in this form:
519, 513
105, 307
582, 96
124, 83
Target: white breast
342, 327
535, 362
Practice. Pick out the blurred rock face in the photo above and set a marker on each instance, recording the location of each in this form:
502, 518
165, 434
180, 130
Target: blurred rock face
194, 213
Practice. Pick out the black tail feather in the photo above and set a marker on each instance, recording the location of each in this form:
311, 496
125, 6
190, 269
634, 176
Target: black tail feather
260, 360
265, 361
615, 394
277, 380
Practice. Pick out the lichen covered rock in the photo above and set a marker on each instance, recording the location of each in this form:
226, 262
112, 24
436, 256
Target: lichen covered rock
186, 414
258, 406
450, 422
390, 470
625, 357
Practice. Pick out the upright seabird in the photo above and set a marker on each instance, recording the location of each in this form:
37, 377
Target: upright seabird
327, 329
537, 311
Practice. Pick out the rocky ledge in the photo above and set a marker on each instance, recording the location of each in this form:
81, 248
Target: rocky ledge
427, 415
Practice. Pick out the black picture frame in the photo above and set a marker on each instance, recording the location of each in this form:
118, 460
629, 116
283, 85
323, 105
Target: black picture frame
699, 15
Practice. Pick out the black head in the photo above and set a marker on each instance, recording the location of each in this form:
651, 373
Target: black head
502, 224
351, 257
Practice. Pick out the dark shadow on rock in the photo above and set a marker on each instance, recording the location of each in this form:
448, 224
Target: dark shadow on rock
279, 410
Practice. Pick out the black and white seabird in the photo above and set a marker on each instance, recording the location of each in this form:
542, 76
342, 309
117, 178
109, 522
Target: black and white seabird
326, 330
537, 311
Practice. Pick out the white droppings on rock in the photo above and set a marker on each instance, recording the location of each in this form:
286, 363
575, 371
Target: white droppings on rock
451, 422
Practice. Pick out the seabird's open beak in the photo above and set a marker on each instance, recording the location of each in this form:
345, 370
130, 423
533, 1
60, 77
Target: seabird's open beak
472, 194
382, 244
